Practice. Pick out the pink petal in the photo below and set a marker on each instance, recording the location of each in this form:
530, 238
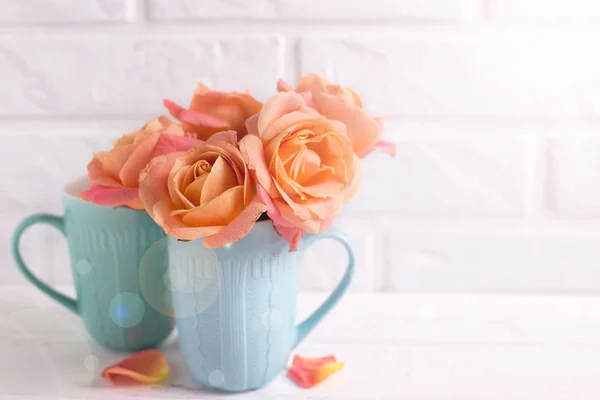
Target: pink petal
386, 147
272, 209
195, 118
283, 86
381, 145
147, 366
308, 372
109, 196
239, 227
291, 234
97, 175
170, 143
174, 108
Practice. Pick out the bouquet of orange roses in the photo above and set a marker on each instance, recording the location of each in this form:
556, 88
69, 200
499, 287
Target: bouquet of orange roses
231, 160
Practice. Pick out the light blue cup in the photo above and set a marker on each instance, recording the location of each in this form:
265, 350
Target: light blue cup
106, 246
235, 306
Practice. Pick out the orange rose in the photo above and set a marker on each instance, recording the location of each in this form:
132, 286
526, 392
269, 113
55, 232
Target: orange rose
114, 174
206, 192
305, 167
342, 104
211, 112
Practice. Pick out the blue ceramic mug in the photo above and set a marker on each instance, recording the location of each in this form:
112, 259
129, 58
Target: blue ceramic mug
235, 306
106, 246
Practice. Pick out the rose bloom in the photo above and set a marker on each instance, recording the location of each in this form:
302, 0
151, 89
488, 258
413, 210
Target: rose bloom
114, 174
211, 112
342, 104
305, 167
206, 192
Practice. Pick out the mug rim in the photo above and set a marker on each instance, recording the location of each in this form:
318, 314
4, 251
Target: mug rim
74, 187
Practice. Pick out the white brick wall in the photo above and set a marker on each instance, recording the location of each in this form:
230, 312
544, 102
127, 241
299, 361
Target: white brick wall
451, 10
494, 105
65, 11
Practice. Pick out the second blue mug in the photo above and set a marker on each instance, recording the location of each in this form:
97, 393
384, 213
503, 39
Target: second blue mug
106, 248
235, 306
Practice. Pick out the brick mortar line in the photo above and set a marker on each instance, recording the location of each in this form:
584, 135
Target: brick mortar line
376, 30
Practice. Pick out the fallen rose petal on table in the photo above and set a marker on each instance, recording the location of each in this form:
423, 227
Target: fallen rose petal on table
308, 372
148, 366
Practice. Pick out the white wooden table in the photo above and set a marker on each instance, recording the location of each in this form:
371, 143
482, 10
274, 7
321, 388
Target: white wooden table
395, 347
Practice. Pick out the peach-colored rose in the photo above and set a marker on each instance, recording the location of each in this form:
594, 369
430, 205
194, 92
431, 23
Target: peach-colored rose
342, 104
304, 163
211, 112
206, 192
114, 174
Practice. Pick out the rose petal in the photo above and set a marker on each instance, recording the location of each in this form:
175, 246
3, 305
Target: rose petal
173, 225
97, 175
293, 120
220, 179
112, 161
300, 377
193, 192
308, 372
110, 196
312, 362
253, 152
170, 143
137, 161
239, 227
272, 209
381, 145
362, 129
195, 118
283, 86
252, 125
148, 366
153, 181
291, 234
312, 83
279, 105
175, 184
308, 98
219, 211
201, 89
224, 137
326, 371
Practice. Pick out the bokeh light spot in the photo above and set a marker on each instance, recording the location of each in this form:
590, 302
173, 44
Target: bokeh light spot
83, 267
177, 278
127, 309
91, 362
216, 378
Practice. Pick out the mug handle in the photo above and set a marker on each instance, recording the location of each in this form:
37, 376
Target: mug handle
309, 323
58, 223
